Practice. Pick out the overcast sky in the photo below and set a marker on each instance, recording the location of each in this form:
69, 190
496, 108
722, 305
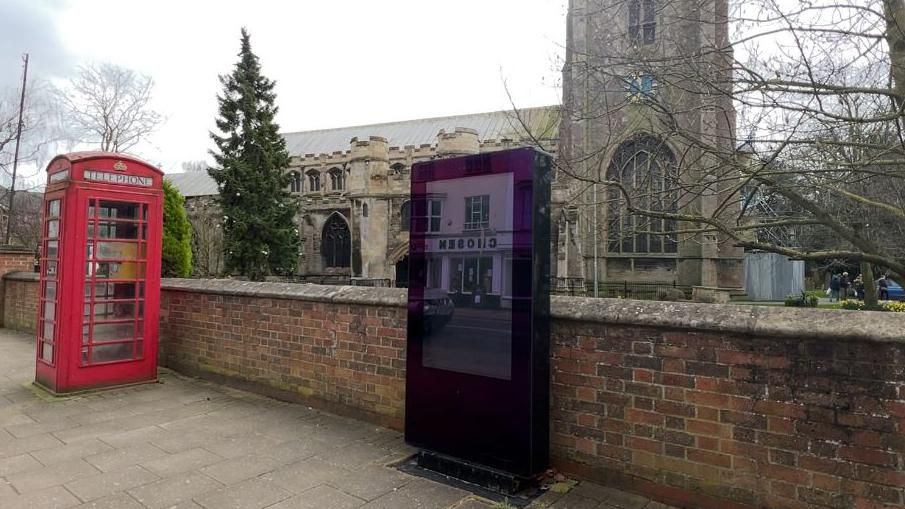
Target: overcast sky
336, 63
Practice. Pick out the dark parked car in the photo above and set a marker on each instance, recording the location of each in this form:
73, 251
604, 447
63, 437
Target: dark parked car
438, 309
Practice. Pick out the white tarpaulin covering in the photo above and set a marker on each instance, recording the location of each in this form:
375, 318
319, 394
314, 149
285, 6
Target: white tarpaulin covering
771, 276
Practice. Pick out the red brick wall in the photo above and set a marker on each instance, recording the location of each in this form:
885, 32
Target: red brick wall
707, 419
14, 259
16, 262
693, 404
20, 301
348, 358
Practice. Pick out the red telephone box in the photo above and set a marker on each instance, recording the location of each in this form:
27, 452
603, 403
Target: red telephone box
99, 295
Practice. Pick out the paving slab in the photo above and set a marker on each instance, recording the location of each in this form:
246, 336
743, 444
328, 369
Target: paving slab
17, 464
234, 470
80, 449
304, 475
141, 435
7, 491
419, 494
19, 446
174, 491
251, 494
127, 456
51, 498
180, 440
31, 428
118, 501
241, 445
189, 444
321, 497
180, 462
355, 456
370, 482
48, 477
110, 483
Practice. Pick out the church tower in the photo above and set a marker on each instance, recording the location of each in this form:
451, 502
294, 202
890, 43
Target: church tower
646, 124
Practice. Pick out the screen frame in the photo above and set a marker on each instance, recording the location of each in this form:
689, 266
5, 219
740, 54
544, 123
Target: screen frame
501, 424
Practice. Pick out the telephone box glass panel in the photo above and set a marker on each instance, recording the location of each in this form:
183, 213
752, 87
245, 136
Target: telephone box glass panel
113, 313
47, 328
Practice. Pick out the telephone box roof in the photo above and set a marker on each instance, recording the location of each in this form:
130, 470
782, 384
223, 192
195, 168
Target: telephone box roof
77, 157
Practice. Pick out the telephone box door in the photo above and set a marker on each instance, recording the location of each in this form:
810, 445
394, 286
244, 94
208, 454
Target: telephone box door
116, 242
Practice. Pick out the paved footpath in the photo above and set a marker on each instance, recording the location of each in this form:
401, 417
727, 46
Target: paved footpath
189, 444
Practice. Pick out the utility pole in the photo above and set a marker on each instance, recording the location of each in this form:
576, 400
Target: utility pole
12, 187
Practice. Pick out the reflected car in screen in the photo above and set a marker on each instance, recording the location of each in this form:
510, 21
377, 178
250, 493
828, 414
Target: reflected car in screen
438, 310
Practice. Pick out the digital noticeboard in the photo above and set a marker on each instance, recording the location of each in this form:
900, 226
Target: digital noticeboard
477, 382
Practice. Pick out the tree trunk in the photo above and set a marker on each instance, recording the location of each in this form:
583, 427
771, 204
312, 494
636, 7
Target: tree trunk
894, 11
870, 291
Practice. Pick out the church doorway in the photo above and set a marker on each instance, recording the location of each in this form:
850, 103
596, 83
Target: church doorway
402, 272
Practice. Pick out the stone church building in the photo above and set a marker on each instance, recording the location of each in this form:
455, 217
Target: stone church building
354, 184
624, 118
644, 106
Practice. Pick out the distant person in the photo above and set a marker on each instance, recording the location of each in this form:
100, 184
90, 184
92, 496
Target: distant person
883, 287
858, 287
834, 287
844, 284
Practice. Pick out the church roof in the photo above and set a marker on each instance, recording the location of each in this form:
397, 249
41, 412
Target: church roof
543, 123
193, 183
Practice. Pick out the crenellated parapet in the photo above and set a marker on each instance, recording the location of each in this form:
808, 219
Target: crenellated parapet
461, 141
373, 148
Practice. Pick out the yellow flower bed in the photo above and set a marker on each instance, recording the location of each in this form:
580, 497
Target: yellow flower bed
856, 305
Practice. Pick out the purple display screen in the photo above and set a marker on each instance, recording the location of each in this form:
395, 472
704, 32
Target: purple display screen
477, 227
467, 229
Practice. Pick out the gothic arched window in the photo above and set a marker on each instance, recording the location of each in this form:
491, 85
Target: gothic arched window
405, 216
314, 181
295, 182
642, 21
336, 242
337, 179
646, 168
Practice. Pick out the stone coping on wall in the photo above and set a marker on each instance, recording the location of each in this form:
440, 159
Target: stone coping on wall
394, 297
13, 249
769, 321
764, 321
21, 276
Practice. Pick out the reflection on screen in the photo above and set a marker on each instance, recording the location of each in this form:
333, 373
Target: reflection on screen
467, 225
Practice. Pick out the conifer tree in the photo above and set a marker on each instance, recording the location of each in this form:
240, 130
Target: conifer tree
260, 234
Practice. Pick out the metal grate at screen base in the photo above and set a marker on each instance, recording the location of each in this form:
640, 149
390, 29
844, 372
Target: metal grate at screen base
491, 484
